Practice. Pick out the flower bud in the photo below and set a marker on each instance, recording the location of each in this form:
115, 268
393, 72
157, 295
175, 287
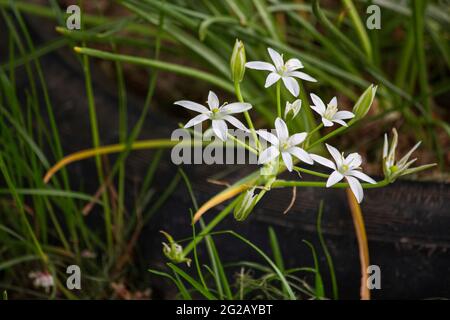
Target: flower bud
245, 205
292, 108
364, 102
237, 62
173, 251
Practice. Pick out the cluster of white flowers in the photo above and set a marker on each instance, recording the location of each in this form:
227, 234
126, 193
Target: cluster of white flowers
282, 145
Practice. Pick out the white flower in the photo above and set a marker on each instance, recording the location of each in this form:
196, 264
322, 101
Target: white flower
218, 114
293, 107
280, 70
284, 144
348, 167
42, 280
330, 113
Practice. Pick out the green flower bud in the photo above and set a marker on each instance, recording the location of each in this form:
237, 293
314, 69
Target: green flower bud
245, 205
237, 62
173, 251
362, 106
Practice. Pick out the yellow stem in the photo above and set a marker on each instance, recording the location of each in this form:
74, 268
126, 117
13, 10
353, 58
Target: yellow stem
363, 246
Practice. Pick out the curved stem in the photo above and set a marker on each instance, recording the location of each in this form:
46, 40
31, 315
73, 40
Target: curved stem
243, 144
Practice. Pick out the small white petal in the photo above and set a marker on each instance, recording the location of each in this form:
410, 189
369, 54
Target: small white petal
213, 101
297, 138
194, 106
287, 159
276, 58
361, 176
235, 107
292, 85
260, 65
341, 122
318, 110
353, 160
302, 75
326, 122
333, 102
334, 178
343, 115
196, 120
385, 146
301, 154
266, 135
356, 188
235, 122
268, 155
282, 129
293, 64
318, 103
220, 129
335, 154
323, 161
271, 79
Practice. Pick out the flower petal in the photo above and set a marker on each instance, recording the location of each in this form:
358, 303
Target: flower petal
235, 122
302, 75
266, 135
318, 103
361, 176
301, 154
292, 85
260, 65
385, 146
327, 123
287, 159
333, 102
335, 154
341, 122
282, 129
235, 107
342, 115
196, 120
220, 129
353, 160
334, 178
297, 138
213, 101
317, 109
293, 64
356, 188
276, 58
271, 79
268, 155
191, 105
323, 161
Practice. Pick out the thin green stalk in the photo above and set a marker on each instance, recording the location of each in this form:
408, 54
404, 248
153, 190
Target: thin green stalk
278, 98
243, 144
314, 173
237, 89
317, 184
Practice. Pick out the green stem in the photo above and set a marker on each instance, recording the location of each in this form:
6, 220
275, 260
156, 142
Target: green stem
314, 173
237, 89
319, 184
243, 144
279, 99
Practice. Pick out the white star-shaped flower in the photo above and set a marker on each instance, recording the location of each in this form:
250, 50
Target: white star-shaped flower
283, 144
330, 112
217, 114
345, 167
280, 70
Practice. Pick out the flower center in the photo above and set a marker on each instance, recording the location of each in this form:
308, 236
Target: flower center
330, 112
284, 146
344, 168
